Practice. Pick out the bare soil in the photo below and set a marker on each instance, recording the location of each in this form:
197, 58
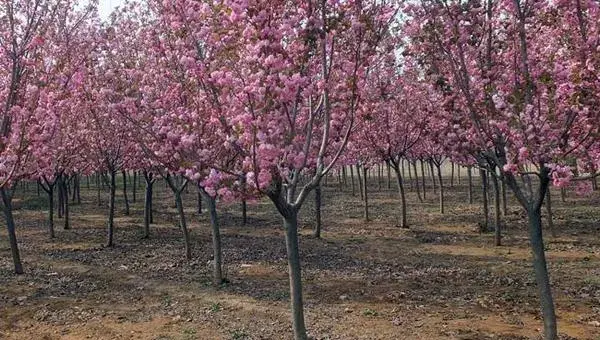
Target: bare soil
438, 279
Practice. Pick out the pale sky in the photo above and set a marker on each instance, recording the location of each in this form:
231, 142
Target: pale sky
107, 6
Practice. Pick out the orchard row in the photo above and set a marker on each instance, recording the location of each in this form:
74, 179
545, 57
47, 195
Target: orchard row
244, 99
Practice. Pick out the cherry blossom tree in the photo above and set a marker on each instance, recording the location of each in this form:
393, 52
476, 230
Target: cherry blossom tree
521, 92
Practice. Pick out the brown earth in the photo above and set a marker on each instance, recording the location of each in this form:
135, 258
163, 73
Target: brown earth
439, 279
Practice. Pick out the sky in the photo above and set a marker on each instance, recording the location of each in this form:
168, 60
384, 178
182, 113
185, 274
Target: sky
107, 6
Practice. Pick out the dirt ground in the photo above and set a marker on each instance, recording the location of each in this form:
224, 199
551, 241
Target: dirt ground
439, 279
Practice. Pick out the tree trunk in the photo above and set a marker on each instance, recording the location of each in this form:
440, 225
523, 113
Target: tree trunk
470, 180
403, 218
317, 230
379, 177
183, 224
125, 192
61, 197
452, 175
417, 184
199, 202
295, 274
147, 203
497, 219
423, 180
410, 179
389, 183
504, 205
216, 239
365, 194
10, 227
111, 208
360, 182
433, 177
484, 187
458, 174
50, 192
352, 180
134, 187
549, 217
541, 273
563, 195
65, 189
439, 172
98, 186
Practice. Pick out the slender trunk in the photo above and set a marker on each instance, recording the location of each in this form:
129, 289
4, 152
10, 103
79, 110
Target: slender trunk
484, 186
183, 224
38, 189
199, 202
291, 241
216, 239
365, 194
563, 195
317, 230
61, 197
147, 203
595, 183
379, 177
504, 204
549, 217
417, 184
451, 174
458, 174
78, 191
389, 183
134, 187
352, 180
10, 227
410, 179
244, 212
98, 195
541, 273
65, 184
403, 218
432, 177
439, 172
423, 180
470, 180
360, 182
497, 219
125, 192
50, 193
111, 208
